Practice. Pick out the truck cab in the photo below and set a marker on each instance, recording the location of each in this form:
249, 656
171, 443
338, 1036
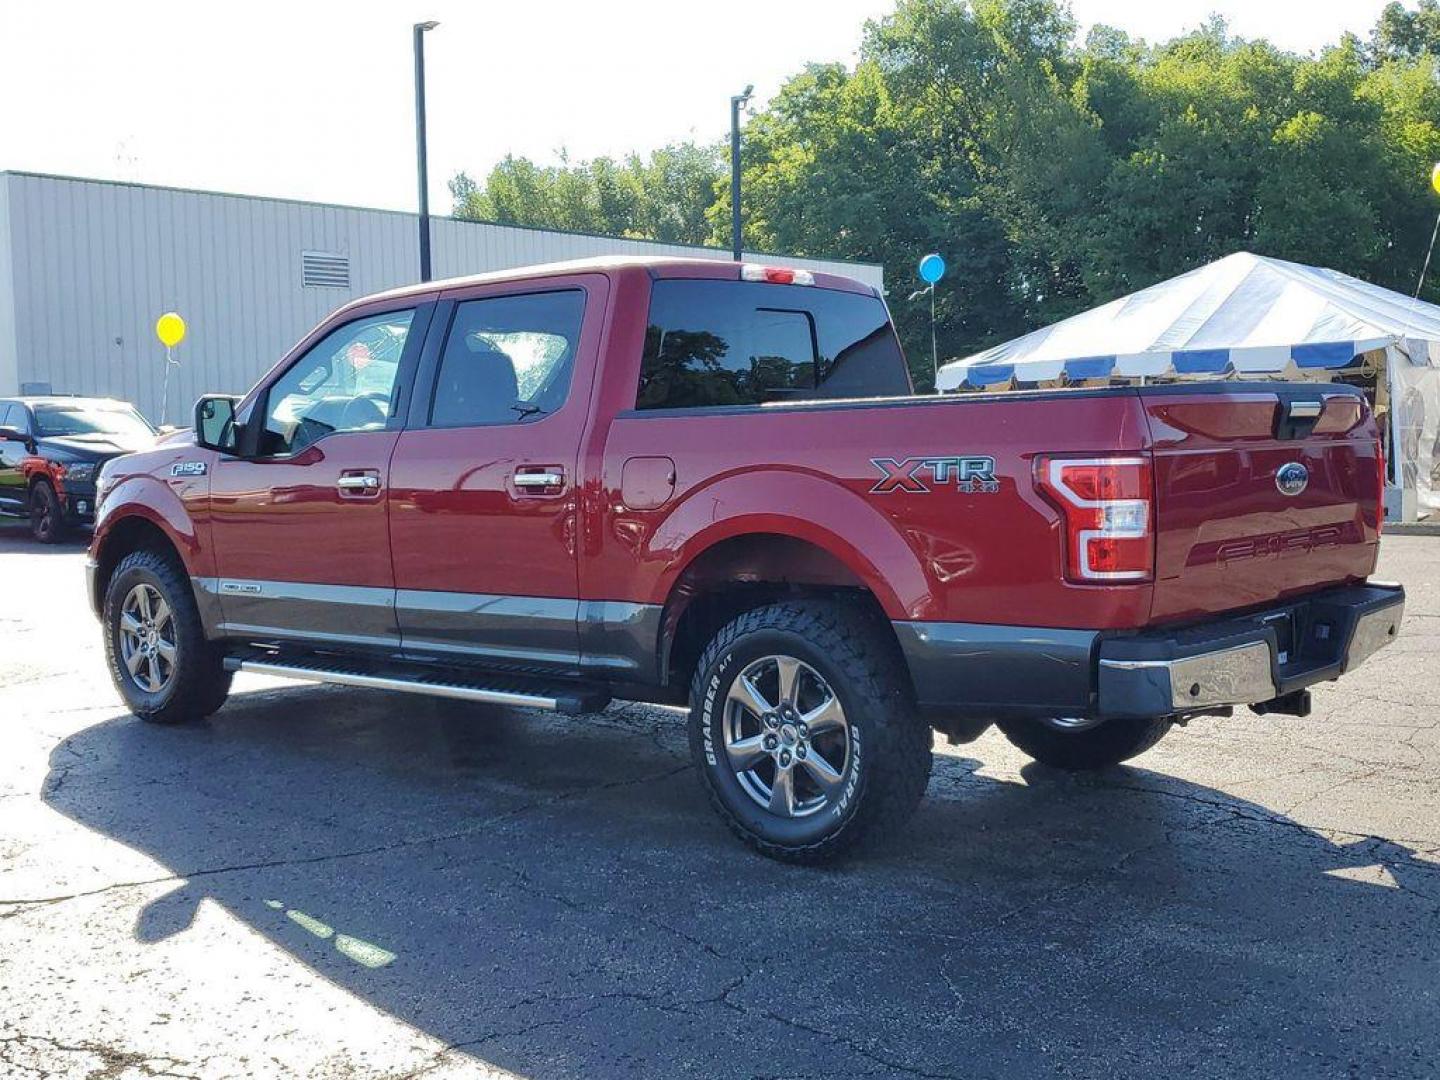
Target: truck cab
710, 484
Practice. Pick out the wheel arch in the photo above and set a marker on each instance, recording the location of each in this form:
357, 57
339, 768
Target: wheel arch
742, 571
137, 528
37, 471
746, 538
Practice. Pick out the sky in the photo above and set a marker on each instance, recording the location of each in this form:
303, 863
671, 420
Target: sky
313, 99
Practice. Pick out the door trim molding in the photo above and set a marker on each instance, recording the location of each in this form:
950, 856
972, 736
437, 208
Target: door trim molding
615, 638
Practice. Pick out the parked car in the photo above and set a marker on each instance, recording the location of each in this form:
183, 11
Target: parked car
50, 451
701, 483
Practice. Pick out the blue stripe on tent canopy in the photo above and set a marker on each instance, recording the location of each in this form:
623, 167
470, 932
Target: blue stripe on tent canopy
1323, 354
989, 374
1089, 367
1200, 361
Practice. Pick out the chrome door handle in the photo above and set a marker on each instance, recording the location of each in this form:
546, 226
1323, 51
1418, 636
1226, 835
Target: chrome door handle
358, 483
539, 479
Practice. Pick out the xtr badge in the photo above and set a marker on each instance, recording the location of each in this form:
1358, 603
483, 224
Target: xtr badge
973, 475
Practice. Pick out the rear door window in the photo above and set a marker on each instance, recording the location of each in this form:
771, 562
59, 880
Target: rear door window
718, 343
508, 359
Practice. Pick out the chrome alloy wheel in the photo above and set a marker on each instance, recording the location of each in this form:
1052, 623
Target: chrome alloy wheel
1070, 723
786, 736
147, 638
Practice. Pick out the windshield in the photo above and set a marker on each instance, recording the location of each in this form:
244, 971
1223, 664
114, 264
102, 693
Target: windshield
90, 419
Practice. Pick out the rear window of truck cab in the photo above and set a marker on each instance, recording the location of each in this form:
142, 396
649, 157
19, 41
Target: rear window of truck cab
718, 343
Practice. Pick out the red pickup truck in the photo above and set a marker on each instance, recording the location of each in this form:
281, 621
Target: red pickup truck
702, 483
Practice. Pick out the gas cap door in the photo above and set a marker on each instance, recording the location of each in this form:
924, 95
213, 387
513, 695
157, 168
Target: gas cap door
647, 482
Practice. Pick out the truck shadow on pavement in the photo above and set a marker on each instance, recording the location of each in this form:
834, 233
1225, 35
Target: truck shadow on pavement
15, 539
555, 898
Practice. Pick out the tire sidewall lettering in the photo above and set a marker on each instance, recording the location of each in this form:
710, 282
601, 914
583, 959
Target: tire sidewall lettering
707, 710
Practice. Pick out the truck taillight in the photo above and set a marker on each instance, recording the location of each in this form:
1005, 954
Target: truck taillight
1106, 503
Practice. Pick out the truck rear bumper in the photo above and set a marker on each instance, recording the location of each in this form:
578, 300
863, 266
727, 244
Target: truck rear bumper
1000, 671
1249, 660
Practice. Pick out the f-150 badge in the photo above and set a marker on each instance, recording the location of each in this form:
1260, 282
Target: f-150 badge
188, 468
917, 475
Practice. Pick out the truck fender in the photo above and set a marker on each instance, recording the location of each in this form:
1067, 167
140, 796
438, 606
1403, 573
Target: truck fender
145, 497
817, 509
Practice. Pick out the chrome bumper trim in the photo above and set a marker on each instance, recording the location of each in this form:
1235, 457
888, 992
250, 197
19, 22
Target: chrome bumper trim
1239, 675
1373, 631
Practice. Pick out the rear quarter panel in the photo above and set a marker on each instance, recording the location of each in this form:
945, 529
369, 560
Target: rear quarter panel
942, 554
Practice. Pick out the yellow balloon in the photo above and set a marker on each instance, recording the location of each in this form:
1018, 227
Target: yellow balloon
1435, 177
170, 329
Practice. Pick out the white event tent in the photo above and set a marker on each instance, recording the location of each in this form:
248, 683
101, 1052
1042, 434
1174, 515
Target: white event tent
1250, 317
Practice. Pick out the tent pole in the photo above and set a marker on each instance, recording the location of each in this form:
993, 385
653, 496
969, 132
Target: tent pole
1392, 467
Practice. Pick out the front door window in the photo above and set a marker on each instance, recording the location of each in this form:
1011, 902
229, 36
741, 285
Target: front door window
345, 383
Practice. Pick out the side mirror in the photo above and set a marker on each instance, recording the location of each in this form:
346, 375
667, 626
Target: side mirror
215, 423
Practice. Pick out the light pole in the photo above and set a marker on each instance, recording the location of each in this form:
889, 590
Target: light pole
737, 103
421, 166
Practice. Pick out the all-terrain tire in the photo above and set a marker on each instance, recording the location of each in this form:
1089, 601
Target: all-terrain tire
888, 763
47, 516
1098, 747
198, 682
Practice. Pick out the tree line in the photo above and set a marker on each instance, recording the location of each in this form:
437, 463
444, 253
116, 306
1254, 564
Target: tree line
1053, 174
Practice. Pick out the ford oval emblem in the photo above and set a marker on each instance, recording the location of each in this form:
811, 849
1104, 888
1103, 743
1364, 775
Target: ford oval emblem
1292, 479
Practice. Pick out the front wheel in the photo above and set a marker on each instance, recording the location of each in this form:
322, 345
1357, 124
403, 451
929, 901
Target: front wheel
1080, 747
47, 516
804, 734
155, 645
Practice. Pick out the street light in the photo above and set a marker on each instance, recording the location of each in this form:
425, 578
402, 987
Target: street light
737, 103
420, 163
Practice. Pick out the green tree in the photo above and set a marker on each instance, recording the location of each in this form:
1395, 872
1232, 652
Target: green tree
663, 197
1052, 175
1407, 35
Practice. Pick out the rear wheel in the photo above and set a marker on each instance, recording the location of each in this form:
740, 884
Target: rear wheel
1079, 746
155, 645
47, 516
803, 732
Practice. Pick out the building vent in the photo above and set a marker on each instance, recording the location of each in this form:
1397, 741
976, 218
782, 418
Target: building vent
324, 270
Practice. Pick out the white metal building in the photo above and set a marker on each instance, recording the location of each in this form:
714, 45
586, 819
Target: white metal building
87, 266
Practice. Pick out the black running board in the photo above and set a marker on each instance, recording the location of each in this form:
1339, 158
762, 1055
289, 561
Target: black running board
491, 691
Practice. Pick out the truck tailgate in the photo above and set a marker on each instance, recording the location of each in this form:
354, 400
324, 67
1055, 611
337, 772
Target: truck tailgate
1234, 526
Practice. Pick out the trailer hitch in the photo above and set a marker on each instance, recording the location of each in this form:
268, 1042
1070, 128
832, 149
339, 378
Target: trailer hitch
1295, 703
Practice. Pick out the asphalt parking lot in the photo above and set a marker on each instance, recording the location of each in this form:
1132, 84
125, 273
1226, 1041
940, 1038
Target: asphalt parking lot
335, 883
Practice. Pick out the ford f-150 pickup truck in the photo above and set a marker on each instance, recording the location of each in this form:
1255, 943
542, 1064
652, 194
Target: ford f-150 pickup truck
711, 484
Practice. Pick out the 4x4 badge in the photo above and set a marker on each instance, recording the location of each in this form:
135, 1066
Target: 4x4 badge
974, 475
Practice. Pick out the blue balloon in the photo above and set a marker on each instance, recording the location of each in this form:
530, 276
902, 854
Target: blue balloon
932, 269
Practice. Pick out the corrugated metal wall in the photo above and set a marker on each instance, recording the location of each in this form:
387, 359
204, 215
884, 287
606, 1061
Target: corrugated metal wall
94, 264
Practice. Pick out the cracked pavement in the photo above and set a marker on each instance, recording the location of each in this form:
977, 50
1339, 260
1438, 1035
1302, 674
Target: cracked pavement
339, 883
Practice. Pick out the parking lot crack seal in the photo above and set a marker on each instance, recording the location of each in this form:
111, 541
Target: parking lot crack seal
854, 1046
1241, 813
114, 1062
